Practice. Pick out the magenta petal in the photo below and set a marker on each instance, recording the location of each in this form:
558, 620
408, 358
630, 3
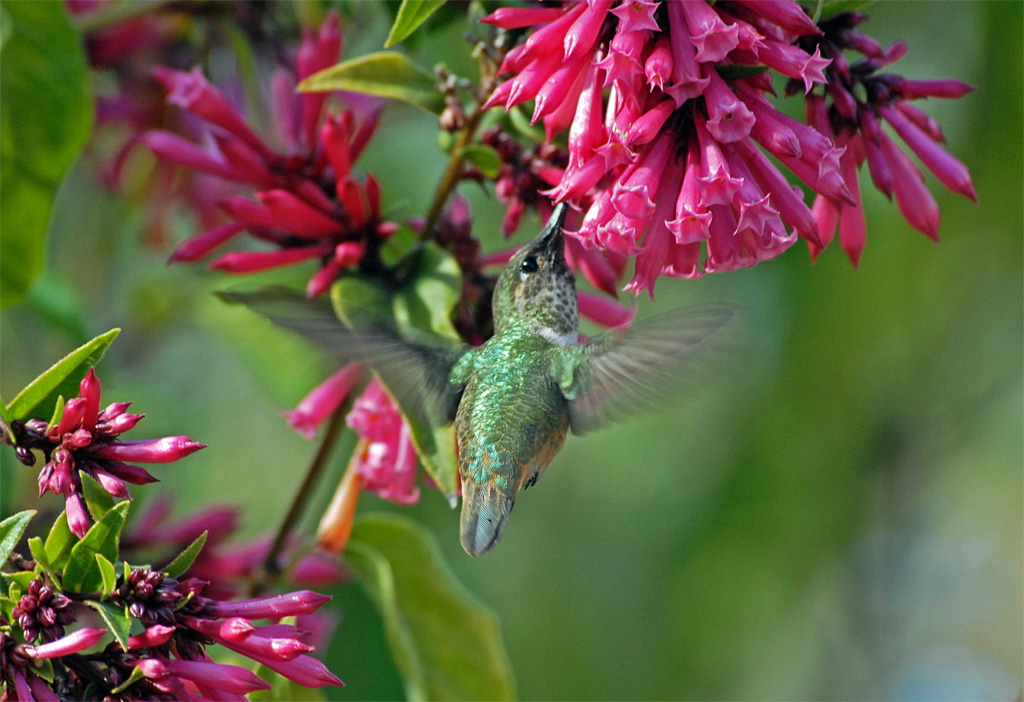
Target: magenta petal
171, 147
253, 261
90, 391
78, 518
75, 642
305, 670
728, 119
294, 603
165, 450
303, 219
315, 407
155, 635
947, 168
605, 312
915, 202
583, 33
135, 475
519, 17
191, 250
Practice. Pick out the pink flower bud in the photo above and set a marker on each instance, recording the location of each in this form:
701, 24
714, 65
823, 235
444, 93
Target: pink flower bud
75, 642
303, 219
605, 312
946, 88
852, 227
304, 670
165, 450
581, 36
519, 17
155, 635
74, 411
253, 261
915, 202
112, 484
191, 250
78, 518
947, 168
90, 392
794, 62
171, 147
785, 13
321, 402
220, 676
128, 473
293, 603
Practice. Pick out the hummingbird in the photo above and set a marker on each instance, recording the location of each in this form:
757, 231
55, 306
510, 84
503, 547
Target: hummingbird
515, 398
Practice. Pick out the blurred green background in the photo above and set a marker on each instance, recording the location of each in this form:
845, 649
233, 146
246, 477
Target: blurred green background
838, 518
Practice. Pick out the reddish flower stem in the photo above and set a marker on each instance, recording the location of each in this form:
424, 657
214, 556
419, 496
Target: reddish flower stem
272, 566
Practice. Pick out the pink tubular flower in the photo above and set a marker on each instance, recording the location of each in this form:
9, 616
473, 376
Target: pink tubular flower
85, 439
686, 104
72, 643
308, 202
862, 98
322, 400
386, 455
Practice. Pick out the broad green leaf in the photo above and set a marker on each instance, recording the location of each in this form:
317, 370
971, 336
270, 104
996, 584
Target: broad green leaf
483, 157
59, 542
108, 574
387, 74
97, 500
411, 15
11, 530
22, 578
45, 119
116, 618
43, 562
63, 377
185, 559
82, 574
446, 645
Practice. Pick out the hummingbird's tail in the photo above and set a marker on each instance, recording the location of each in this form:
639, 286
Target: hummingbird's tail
485, 510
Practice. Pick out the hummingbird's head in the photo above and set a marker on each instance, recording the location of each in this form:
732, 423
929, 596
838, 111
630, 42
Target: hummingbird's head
538, 289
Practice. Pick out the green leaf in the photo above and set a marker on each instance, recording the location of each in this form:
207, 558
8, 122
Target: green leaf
43, 562
446, 645
45, 119
386, 74
11, 530
22, 578
521, 123
834, 7
97, 500
82, 573
59, 542
58, 411
108, 574
116, 618
185, 559
411, 15
483, 157
63, 377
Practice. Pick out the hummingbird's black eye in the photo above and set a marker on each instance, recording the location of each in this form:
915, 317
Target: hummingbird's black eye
530, 265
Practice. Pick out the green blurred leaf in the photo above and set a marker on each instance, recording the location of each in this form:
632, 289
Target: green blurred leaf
187, 557
62, 378
521, 123
483, 157
21, 578
82, 574
35, 545
116, 618
387, 74
59, 542
11, 530
828, 8
45, 119
411, 15
447, 646
97, 500
108, 575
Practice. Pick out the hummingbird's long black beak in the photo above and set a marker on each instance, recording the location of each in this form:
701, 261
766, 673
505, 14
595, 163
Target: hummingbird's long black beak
551, 234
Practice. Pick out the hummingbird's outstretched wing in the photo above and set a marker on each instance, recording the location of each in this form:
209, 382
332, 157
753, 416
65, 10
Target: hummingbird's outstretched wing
415, 373
619, 373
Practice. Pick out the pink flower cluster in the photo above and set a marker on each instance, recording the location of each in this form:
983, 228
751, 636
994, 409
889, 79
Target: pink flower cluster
86, 440
856, 101
672, 166
309, 204
386, 457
